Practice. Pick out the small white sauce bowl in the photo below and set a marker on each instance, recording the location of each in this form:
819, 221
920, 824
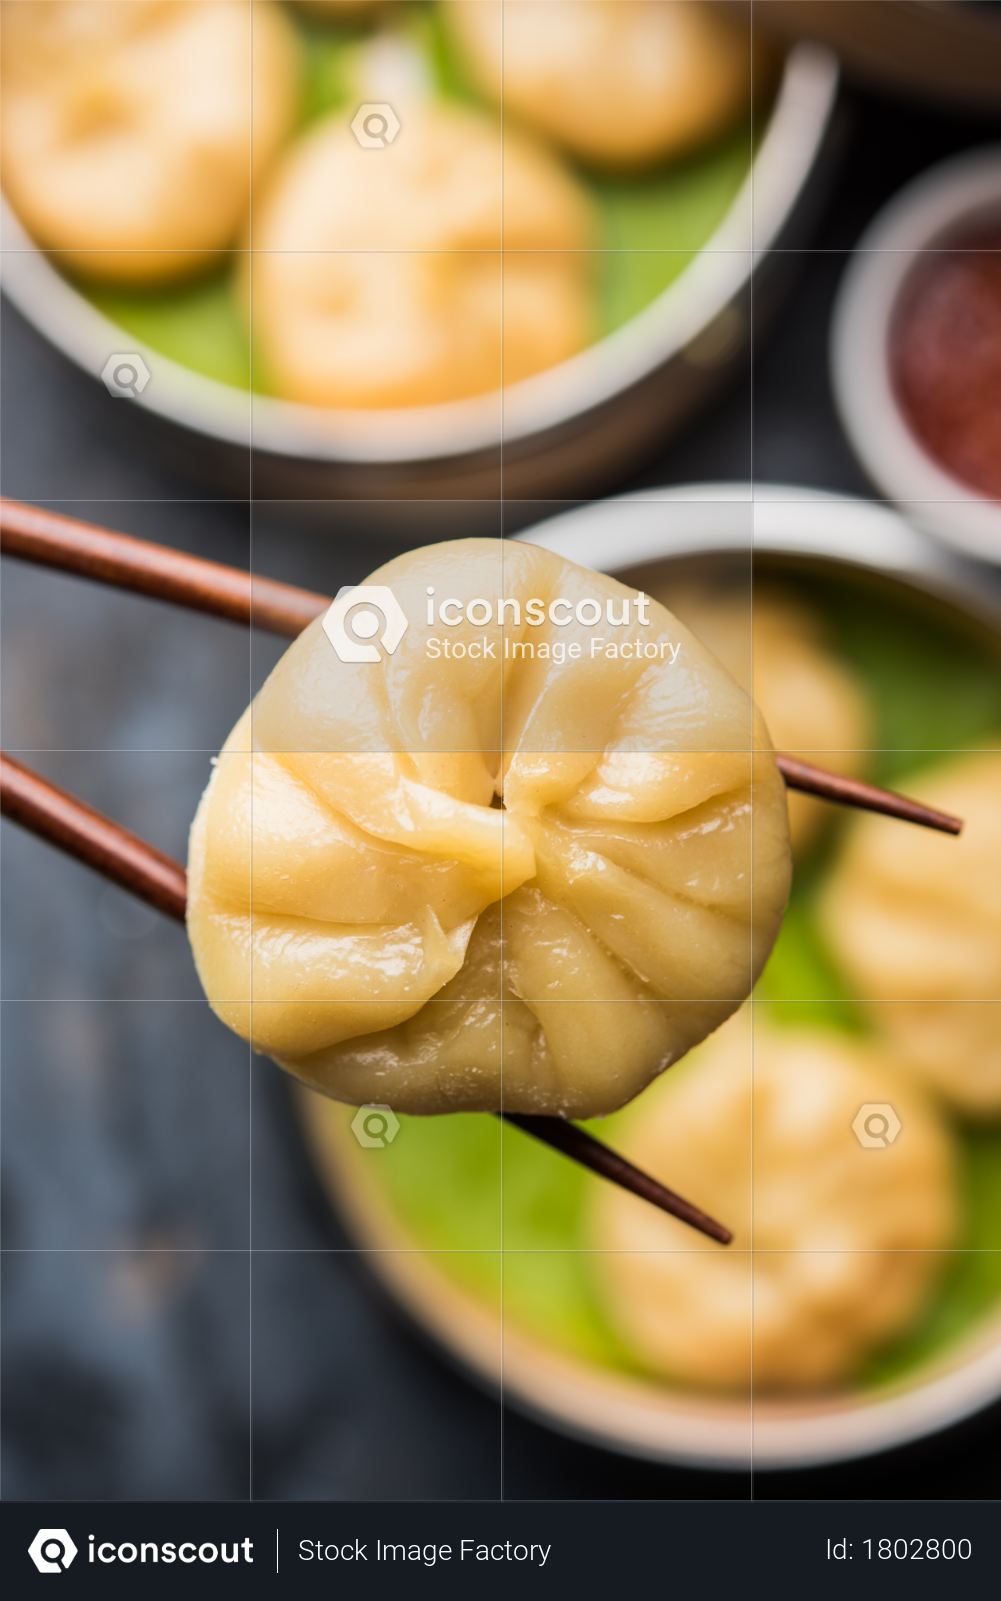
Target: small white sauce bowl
924, 216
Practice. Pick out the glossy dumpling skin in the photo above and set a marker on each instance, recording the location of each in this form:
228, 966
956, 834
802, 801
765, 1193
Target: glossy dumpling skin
621, 83
131, 127
378, 278
836, 1248
914, 917
364, 910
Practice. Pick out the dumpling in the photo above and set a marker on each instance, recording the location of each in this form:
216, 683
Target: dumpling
836, 1247
528, 862
621, 83
378, 278
814, 705
127, 125
915, 920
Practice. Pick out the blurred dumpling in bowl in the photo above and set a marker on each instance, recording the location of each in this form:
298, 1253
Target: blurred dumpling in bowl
378, 278
814, 705
127, 125
620, 83
915, 919
836, 1246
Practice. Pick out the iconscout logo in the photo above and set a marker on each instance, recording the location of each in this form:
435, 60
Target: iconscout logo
365, 623
52, 1550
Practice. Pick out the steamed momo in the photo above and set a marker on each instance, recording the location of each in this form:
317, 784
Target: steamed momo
132, 128
620, 83
364, 909
915, 920
836, 1248
378, 275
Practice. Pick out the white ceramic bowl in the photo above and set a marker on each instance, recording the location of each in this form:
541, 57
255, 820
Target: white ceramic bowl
719, 526
922, 216
564, 431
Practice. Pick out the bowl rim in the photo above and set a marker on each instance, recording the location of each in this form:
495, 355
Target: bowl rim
921, 216
775, 519
715, 276
618, 1411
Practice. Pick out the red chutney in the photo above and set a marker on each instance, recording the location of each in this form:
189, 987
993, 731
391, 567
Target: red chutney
945, 356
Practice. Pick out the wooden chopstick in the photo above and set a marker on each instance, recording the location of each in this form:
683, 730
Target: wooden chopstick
582, 1147
72, 826
864, 797
51, 540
